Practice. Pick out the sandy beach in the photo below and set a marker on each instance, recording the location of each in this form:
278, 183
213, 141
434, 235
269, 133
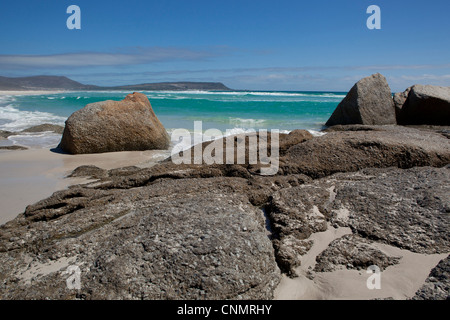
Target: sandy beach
399, 282
31, 175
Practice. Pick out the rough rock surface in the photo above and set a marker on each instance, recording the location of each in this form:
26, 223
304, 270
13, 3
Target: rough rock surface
224, 231
406, 208
437, 285
352, 252
45, 127
107, 126
367, 147
154, 242
13, 148
426, 105
368, 102
399, 101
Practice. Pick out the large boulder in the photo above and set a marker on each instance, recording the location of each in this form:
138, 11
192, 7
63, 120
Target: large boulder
108, 126
426, 104
368, 102
354, 147
143, 242
399, 101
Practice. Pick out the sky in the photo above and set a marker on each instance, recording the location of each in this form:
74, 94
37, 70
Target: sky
245, 44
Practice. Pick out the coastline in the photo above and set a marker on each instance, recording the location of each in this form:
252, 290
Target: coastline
35, 174
27, 176
228, 201
31, 92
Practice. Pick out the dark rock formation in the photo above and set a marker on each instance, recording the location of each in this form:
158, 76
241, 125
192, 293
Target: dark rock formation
353, 252
5, 134
368, 102
399, 101
154, 242
199, 231
404, 208
426, 105
376, 146
127, 125
89, 171
13, 148
45, 127
437, 285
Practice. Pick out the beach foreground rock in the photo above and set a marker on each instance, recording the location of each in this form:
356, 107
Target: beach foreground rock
151, 242
354, 147
437, 285
406, 208
108, 126
425, 104
224, 231
368, 102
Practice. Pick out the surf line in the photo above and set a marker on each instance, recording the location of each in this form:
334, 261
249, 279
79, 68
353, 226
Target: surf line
214, 152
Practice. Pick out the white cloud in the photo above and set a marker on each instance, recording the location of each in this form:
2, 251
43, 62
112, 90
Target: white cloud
133, 56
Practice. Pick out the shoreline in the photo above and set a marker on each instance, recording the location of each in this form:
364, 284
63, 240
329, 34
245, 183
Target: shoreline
44, 172
28, 176
31, 92
400, 281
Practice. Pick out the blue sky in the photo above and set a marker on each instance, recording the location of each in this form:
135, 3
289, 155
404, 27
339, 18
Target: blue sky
246, 44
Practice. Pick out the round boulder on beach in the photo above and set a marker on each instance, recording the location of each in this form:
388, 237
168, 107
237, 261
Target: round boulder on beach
369, 102
109, 126
426, 105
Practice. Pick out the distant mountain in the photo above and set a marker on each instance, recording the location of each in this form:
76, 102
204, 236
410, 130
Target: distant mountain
175, 86
41, 83
64, 83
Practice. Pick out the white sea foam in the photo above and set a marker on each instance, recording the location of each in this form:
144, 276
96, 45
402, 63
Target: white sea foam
196, 137
36, 140
13, 119
246, 122
316, 133
245, 93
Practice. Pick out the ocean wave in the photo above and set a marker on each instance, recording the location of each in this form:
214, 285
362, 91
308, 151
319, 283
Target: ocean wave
36, 140
13, 119
6, 99
247, 122
316, 133
253, 93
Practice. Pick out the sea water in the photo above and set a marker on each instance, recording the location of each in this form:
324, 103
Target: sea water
235, 111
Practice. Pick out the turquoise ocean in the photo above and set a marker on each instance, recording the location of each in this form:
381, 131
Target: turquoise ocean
229, 111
